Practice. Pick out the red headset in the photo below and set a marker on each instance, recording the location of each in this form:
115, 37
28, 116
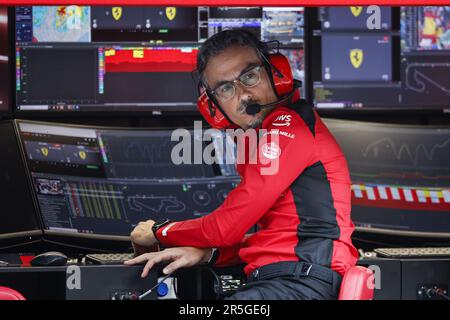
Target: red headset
282, 82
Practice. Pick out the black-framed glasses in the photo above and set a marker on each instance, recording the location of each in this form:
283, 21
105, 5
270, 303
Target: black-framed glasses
227, 90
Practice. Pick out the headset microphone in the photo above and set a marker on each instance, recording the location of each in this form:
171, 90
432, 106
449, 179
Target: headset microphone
254, 108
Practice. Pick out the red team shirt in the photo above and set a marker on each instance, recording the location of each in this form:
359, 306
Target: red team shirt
302, 211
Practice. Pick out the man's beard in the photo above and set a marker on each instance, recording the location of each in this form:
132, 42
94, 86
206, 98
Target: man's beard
243, 106
259, 117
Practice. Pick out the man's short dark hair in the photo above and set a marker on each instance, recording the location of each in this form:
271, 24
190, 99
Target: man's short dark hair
223, 40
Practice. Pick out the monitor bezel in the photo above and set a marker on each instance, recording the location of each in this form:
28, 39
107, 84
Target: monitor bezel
389, 231
25, 237
74, 239
153, 111
8, 112
311, 59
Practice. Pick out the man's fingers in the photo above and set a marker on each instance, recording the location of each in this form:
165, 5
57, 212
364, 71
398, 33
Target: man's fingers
140, 259
155, 259
148, 266
175, 265
150, 259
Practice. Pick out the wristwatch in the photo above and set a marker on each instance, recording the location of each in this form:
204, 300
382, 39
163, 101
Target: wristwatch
159, 224
214, 256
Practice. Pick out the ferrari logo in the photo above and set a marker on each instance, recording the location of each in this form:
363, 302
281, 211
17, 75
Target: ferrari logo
44, 151
117, 13
356, 11
138, 54
82, 155
356, 57
171, 12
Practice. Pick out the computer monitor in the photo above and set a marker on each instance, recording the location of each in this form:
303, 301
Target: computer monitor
144, 24
284, 24
98, 183
400, 177
400, 64
225, 18
105, 59
19, 220
361, 64
425, 56
353, 18
127, 60
5, 68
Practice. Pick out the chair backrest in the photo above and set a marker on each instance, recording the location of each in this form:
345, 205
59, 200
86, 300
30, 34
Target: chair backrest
357, 284
10, 294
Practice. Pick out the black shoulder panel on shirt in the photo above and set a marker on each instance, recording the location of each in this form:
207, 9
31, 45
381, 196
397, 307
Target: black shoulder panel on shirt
305, 111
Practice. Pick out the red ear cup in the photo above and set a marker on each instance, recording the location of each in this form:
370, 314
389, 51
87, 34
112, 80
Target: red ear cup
211, 113
282, 80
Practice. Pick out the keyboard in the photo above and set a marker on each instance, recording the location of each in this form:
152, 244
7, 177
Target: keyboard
442, 252
108, 258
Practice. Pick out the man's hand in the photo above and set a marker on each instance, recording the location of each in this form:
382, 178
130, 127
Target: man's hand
179, 257
142, 235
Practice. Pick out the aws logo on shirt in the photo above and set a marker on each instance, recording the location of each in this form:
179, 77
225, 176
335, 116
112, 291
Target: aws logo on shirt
283, 120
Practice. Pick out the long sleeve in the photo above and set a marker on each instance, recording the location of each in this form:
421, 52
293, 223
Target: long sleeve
283, 155
229, 256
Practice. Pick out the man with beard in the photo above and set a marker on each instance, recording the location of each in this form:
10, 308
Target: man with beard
302, 247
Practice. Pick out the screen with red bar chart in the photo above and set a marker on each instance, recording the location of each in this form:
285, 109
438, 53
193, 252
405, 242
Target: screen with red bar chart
113, 58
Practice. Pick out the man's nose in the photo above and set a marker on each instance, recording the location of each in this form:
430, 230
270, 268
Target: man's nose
243, 93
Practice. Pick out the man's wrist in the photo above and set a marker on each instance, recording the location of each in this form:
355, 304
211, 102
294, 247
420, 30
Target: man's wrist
157, 225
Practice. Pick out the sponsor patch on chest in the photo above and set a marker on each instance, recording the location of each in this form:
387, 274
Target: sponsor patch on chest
283, 120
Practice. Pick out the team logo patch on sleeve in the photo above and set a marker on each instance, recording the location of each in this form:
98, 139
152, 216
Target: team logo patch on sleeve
271, 150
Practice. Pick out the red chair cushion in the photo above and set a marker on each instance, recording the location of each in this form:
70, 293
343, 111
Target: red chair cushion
357, 284
10, 294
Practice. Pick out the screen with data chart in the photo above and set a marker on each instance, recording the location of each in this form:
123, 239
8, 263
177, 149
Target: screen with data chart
401, 63
120, 59
400, 175
103, 181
